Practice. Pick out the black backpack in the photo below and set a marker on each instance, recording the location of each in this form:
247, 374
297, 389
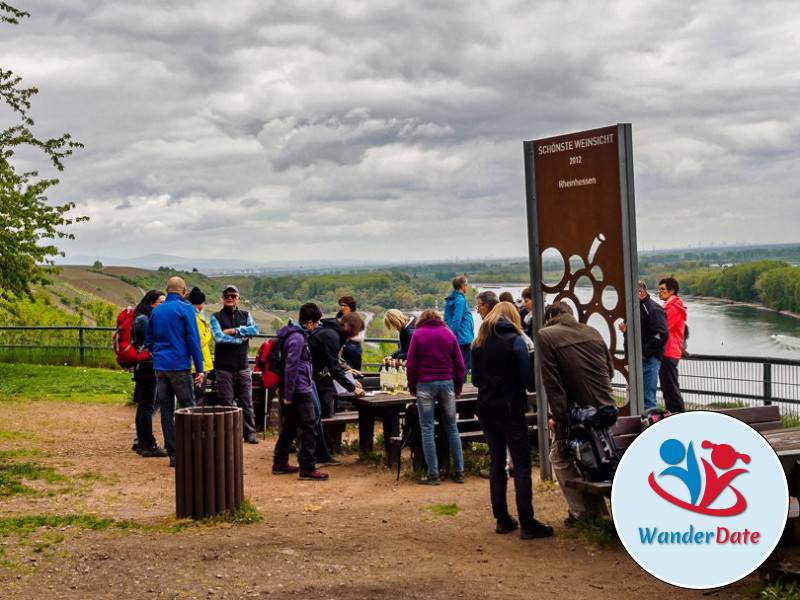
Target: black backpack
412, 434
591, 442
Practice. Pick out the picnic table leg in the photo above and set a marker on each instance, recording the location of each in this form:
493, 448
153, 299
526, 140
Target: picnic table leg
366, 429
391, 428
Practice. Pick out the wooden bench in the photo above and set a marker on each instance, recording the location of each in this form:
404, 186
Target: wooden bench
334, 427
760, 418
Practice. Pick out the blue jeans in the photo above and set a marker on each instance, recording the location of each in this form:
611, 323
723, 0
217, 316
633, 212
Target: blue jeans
427, 395
171, 385
650, 368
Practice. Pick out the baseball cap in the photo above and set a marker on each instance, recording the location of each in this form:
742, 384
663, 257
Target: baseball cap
229, 288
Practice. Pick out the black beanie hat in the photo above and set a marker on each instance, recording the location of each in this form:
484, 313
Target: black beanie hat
196, 296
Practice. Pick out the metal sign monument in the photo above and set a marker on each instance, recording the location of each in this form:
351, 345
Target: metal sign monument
582, 243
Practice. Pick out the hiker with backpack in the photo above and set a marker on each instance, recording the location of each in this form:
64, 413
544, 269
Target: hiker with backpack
232, 329
198, 299
174, 342
144, 377
576, 371
297, 402
435, 371
501, 370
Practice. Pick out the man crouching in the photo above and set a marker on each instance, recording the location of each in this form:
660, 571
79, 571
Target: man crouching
576, 369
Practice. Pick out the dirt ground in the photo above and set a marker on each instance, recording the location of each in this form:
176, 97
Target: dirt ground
359, 535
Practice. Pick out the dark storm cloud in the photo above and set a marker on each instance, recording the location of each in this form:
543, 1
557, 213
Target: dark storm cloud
378, 129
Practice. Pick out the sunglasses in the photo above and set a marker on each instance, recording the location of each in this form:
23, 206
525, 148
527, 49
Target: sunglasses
230, 296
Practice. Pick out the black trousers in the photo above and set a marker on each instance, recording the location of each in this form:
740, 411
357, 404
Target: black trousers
670, 386
300, 414
327, 396
505, 430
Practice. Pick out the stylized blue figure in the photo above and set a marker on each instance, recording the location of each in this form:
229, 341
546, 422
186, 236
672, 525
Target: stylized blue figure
672, 452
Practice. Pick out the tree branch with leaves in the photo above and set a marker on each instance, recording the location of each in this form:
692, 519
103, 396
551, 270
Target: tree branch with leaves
29, 226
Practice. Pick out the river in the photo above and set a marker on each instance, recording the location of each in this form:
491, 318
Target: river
717, 327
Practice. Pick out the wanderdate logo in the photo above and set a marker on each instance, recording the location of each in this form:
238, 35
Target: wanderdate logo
699, 500
713, 479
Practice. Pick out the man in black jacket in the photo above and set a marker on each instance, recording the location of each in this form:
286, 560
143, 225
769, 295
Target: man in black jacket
232, 329
654, 338
325, 343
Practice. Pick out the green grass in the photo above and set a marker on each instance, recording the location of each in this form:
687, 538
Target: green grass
594, 531
444, 510
13, 477
24, 526
780, 590
15, 435
790, 421
80, 385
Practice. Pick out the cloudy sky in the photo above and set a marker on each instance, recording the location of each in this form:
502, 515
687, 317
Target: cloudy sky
387, 130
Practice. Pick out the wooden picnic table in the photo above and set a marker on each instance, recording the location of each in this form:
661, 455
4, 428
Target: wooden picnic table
786, 443
388, 408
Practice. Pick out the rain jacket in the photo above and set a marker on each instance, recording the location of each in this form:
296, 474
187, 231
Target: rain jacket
459, 318
676, 326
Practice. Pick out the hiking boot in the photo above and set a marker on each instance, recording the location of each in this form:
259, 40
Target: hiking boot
154, 452
429, 480
314, 475
251, 439
286, 469
535, 530
172, 461
506, 525
330, 462
570, 521
458, 477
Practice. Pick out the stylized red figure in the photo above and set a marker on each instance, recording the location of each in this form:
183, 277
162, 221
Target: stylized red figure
724, 456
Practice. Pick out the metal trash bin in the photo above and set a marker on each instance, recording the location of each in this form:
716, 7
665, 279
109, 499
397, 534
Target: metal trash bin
208, 461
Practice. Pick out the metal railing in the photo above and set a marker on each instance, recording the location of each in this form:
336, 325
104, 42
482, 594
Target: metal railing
708, 381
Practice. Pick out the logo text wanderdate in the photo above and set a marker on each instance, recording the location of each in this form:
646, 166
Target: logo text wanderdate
722, 535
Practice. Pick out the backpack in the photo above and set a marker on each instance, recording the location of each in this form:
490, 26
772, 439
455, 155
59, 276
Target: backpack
270, 361
685, 347
591, 442
128, 356
412, 435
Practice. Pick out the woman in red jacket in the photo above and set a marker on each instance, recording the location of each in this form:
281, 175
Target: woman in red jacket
676, 327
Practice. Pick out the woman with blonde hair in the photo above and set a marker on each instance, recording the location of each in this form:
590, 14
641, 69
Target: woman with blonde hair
404, 325
435, 371
501, 371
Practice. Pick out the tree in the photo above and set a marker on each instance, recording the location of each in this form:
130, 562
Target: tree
97, 266
28, 225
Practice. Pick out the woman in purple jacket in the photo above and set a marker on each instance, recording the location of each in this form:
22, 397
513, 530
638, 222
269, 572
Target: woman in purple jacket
435, 369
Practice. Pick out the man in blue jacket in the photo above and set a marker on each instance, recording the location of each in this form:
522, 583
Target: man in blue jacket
459, 319
174, 341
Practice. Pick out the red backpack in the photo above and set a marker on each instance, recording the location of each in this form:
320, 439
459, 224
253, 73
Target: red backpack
127, 354
268, 361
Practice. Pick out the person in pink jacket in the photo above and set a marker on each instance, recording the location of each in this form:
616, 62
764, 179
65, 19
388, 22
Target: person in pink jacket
435, 370
676, 326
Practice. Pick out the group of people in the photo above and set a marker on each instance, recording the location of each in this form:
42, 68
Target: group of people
174, 330
664, 332
440, 350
